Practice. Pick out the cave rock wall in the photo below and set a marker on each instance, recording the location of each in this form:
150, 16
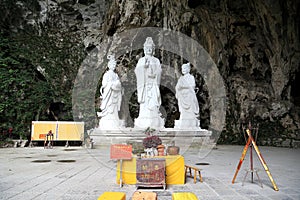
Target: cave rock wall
255, 44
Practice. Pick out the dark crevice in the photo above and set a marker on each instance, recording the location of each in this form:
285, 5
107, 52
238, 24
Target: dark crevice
295, 92
194, 3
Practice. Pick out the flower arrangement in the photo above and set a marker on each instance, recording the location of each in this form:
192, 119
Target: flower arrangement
151, 140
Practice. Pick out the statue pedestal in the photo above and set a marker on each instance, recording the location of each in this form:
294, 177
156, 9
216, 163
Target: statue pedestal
184, 139
111, 124
153, 122
187, 124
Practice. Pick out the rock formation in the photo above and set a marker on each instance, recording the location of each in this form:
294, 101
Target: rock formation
255, 44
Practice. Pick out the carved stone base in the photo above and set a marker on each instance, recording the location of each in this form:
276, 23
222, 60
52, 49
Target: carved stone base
155, 122
111, 124
187, 124
184, 139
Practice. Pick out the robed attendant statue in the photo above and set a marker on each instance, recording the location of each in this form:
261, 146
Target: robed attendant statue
148, 75
111, 95
187, 100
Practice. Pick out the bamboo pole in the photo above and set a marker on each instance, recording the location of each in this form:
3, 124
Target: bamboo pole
241, 159
263, 162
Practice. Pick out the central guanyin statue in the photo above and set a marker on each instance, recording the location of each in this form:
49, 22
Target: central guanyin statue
148, 74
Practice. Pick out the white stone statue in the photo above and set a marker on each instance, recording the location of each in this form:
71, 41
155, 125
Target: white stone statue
148, 74
187, 100
111, 95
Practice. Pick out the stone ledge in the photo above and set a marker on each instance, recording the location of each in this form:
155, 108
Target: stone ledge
182, 138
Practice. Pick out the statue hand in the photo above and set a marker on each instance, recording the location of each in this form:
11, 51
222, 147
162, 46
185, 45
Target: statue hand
101, 91
152, 76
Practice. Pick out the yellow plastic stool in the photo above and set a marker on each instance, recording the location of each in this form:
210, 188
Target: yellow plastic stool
184, 196
112, 195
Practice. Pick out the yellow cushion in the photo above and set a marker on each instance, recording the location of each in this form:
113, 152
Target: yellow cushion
112, 195
184, 196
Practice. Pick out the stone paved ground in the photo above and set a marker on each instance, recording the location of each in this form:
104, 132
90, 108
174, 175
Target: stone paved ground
80, 173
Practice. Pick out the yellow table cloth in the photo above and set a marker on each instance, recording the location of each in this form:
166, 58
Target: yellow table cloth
175, 172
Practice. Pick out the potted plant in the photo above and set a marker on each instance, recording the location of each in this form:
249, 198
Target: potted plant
151, 142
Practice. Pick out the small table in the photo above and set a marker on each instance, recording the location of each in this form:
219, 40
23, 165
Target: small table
175, 172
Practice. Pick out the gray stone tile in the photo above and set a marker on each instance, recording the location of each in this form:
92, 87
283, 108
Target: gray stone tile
295, 196
233, 197
93, 173
225, 192
256, 197
280, 197
209, 197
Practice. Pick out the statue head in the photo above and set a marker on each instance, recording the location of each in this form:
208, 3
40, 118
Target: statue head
112, 62
149, 46
185, 68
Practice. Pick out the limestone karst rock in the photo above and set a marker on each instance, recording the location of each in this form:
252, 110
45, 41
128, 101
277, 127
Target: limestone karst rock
255, 44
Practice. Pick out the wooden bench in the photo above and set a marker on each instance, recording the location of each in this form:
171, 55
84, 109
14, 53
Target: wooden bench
196, 171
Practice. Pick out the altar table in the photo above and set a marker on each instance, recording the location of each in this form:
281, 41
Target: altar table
175, 172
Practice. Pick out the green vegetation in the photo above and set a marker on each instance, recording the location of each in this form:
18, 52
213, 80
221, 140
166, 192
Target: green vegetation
36, 70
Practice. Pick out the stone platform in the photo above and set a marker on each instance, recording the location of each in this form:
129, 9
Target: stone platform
169, 136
